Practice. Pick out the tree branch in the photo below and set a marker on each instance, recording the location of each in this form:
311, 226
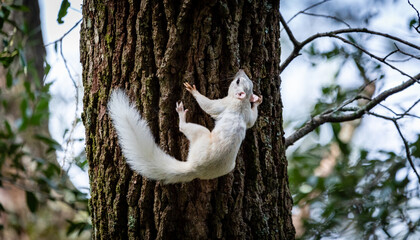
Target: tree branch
289, 32
64, 35
306, 9
332, 116
299, 45
406, 146
327, 16
76, 88
383, 60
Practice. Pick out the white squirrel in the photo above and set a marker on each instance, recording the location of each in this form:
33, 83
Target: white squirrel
211, 154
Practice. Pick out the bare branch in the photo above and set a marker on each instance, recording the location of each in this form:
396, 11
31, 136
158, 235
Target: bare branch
299, 45
332, 116
405, 113
327, 16
64, 35
388, 108
406, 53
407, 147
412, 106
389, 54
372, 56
306, 9
77, 97
289, 32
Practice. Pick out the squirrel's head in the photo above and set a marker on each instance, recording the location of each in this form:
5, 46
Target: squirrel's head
241, 87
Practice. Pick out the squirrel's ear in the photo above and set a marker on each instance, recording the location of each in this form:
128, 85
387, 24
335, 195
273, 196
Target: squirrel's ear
254, 98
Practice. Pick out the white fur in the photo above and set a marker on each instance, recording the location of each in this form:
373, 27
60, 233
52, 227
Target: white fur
211, 154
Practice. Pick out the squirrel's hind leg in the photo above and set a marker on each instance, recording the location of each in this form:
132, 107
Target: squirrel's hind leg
191, 130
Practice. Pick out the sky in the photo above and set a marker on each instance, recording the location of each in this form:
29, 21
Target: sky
62, 106
301, 83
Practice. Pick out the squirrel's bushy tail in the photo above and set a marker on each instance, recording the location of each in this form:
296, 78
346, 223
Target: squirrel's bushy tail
138, 145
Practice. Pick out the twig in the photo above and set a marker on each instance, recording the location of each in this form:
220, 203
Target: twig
289, 32
388, 108
407, 147
405, 113
327, 16
409, 54
412, 106
74, 123
389, 54
373, 56
329, 116
306, 9
64, 35
297, 46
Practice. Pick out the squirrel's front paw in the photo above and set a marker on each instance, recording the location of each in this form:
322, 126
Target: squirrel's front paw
259, 100
256, 99
190, 88
180, 108
181, 112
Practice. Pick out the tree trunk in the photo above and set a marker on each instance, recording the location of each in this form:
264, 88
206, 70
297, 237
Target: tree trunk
150, 49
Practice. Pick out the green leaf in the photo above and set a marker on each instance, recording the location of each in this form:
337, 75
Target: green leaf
29, 91
63, 11
52, 170
47, 68
412, 22
4, 13
9, 80
416, 146
8, 128
53, 145
42, 105
23, 110
6, 58
31, 201
23, 62
18, 7
78, 227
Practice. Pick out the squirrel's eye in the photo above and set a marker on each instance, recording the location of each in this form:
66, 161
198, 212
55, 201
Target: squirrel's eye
237, 81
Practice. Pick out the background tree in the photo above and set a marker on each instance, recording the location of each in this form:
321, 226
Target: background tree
342, 188
29, 172
150, 48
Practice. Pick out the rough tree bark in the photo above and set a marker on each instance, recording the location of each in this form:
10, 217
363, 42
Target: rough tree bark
150, 48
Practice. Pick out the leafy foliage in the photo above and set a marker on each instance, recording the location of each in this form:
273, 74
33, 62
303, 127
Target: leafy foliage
341, 191
367, 196
37, 174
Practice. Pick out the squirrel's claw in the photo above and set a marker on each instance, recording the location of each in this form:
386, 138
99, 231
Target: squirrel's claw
180, 107
260, 100
190, 88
